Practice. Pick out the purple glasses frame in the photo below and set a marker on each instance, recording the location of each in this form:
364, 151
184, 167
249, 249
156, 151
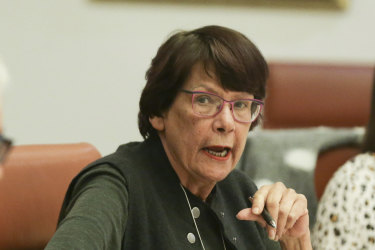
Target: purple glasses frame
193, 93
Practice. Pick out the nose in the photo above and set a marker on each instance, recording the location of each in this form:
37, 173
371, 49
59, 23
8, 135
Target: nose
224, 121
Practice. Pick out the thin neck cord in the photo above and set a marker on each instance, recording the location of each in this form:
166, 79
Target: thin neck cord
222, 238
196, 227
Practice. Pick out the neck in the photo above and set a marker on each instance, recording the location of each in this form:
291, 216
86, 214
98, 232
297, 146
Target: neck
197, 185
202, 191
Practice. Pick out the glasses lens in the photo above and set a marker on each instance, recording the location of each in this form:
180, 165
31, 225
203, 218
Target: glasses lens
246, 110
255, 110
206, 104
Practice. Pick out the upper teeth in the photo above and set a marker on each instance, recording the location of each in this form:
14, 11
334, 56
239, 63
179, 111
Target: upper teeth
220, 154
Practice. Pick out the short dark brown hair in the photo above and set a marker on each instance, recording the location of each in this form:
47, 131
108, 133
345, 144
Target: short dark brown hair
236, 61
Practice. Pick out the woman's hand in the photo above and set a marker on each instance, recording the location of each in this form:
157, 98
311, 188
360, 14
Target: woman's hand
288, 209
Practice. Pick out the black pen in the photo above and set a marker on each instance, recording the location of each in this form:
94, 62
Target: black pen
266, 215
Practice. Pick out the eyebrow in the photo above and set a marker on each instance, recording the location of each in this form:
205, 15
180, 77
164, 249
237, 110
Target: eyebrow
237, 96
209, 89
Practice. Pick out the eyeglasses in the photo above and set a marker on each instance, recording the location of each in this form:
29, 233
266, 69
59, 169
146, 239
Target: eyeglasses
206, 104
5, 145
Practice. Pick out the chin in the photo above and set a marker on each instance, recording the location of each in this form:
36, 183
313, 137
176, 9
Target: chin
218, 176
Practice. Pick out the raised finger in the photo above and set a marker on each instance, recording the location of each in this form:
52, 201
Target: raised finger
259, 199
298, 210
285, 207
274, 197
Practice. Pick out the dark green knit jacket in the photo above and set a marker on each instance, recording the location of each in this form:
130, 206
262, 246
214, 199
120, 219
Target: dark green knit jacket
158, 214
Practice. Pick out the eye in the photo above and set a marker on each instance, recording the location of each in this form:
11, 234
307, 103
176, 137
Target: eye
241, 104
203, 99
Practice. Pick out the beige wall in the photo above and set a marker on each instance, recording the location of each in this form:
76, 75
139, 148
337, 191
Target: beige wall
77, 66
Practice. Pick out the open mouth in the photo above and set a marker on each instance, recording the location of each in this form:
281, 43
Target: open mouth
218, 151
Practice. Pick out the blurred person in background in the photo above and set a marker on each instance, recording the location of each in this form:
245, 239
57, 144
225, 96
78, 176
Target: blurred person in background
4, 142
178, 189
346, 211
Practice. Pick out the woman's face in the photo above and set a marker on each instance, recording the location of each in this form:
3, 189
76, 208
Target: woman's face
189, 140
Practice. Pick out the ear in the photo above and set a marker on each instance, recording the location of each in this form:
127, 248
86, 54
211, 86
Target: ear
157, 122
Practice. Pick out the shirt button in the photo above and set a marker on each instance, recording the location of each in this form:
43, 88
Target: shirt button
195, 211
234, 240
222, 214
191, 238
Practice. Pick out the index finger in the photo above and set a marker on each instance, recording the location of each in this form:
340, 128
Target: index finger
259, 199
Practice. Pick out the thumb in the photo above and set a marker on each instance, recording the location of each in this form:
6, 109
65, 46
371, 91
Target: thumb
246, 214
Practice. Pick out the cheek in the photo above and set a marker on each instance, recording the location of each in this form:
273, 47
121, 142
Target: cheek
193, 133
190, 124
200, 128
242, 138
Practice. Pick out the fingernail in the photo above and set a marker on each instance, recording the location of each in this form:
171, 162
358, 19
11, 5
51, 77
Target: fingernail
256, 210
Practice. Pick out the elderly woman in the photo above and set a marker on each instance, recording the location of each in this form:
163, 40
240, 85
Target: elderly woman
178, 188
